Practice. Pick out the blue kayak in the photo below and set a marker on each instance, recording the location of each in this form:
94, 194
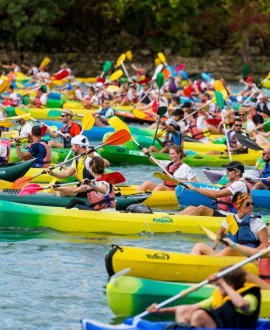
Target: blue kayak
185, 197
145, 325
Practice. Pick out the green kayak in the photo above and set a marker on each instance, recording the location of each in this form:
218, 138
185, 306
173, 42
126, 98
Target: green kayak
43, 199
129, 296
14, 171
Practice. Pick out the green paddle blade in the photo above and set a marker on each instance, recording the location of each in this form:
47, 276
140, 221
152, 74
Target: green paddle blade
107, 65
219, 99
160, 79
161, 111
245, 70
54, 113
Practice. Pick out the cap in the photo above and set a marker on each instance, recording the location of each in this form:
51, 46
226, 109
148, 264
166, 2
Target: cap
186, 105
99, 84
81, 140
68, 112
178, 112
249, 79
76, 84
237, 165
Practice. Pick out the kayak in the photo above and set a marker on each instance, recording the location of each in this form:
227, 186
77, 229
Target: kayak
120, 155
14, 171
167, 266
261, 198
33, 216
47, 199
129, 324
218, 176
129, 296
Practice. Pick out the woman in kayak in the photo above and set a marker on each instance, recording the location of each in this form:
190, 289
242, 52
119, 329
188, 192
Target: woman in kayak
243, 229
176, 167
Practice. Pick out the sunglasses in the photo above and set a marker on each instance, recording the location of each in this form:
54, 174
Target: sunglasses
238, 125
265, 153
241, 114
63, 115
248, 204
231, 169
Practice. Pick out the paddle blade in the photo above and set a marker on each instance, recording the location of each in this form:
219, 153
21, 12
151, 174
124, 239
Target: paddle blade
143, 81
5, 86
209, 233
157, 61
180, 67
117, 138
157, 70
205, 77
20, 112
19, 183
167, 73
120, 60
160, 79
43, 130
29, 191
162, 57
6, 124
173, 73
232, 224
54, 113
183, 74
129, 55
161, 111
112, 88
44, 62
245, 70
118, 124
107, 65
18, 117
88, 121
219, 100
61, 75
112, 178
246, 142
165, 177
139, 113
117, 74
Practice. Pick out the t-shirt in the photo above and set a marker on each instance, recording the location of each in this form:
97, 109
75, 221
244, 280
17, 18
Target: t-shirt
93, 99
75, 129
249, 126
33, 71
237, 186
79, 94
3, 151
25, 130
43, 98
37, 150
184, 172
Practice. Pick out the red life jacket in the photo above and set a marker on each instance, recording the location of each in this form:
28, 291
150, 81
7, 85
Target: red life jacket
225, 203
195, 132
37, 102
264, 269
171, 169
99, 202
46, 161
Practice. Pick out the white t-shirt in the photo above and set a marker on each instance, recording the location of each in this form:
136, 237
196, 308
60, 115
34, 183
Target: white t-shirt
79, 94
3, 150
93, 99
238, 186
44, 75
256, 224
43, 98
86, 161
99, 184
249, 126
25, 130
33, 71
184, 172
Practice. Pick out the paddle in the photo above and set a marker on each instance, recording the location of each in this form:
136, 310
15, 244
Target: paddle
118, 125
220, 103
112, 178
106, 67
4, 86
18, 117
160, 112
263, 124
183, 74
157, 71
138, 113
245, 71
162, 58
120, 137
205, 77
117, 74
165, 177
129, 55
245, 141
44, 62
256, 89
6, 124
197, 286
180, 67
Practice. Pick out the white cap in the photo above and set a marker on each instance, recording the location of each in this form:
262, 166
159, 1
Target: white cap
76, 84
99, 84
81, 140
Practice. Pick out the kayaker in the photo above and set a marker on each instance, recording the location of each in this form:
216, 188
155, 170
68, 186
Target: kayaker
235, 172
235, 304
70, 129
42, 75
91, 100
264, 184
40, 99
247, 124
100, 194
249, 87
11, 97
79, 168
102, 115
24, 128
4, 151
176, 167
196, 126
173, 137
79, 94
251, 231
38, 149
32, 69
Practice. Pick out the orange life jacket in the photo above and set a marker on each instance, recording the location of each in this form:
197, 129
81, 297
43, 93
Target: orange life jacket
99, 202
264, 269
171, 169
195, 132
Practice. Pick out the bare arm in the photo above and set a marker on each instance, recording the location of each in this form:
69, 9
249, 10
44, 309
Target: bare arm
61, 175
211, 193
23, 156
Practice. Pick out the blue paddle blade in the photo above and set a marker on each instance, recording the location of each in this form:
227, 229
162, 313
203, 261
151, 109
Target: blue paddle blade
205, 77
173, 73
183, 74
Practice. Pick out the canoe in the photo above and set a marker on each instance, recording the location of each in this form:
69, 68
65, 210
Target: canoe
261, 198
13, 171
129, 296
141, 324
167, 266
47, 199
120, 155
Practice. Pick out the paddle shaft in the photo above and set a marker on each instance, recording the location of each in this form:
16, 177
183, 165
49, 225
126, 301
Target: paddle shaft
225, 131
192, 113
125, 70
261, 125
195, 287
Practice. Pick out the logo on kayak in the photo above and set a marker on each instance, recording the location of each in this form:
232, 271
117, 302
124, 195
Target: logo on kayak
163, 220
159, 256
2, 172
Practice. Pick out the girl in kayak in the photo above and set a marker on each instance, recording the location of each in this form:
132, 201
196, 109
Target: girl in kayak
176, 167
243, 229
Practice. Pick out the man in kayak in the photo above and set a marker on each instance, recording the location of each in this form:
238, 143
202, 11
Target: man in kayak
102, 115
264, 184
38, 149
11, 97
235, 304
41, 98
70, 129
79, 167
24, 128
223, 196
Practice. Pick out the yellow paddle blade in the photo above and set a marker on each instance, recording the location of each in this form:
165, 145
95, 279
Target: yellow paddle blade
118, 124
44, 62
160, 133
117, 74
162, 57
139, 113
4, 86
18, 117
50, 190
208, 232
232, 224
6, 124
121, 58
157, 61
165, 177
112, 88
88, 121
220, 88
129, 55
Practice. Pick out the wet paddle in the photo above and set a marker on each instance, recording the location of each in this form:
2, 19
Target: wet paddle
6, 123
44, 62
106, 67
165, 177
162, 58
4, 86
247, 142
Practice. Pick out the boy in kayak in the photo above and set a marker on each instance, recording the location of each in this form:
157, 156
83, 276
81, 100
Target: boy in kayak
235, 304
102, 115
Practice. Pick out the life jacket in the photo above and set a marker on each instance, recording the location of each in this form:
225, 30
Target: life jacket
225, 203
195, 132
232, 139
37, 102
46, 161
98, 201
4, 160
224, 310
155, 106
171, 139
102, 115
81, 171
171, 169
265, 174
244, 235
66, 129
264, 269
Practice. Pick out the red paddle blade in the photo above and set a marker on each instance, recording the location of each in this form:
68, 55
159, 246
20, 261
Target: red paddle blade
118, 138
19, 183
43, 130
29, 191
62, 75
180, 67
112, 178
144, 81
100, 79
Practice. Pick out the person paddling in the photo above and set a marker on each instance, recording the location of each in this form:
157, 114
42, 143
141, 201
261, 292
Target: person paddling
4, 151
176, 167
264, 184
